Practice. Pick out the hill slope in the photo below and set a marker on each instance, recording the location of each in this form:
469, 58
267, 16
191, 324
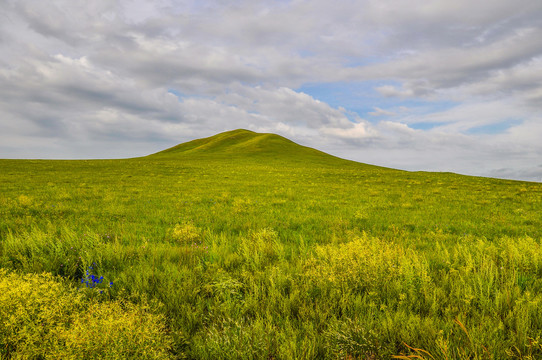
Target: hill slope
245, 143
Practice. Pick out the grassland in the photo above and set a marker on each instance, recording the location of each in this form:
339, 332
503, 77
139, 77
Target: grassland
248, 246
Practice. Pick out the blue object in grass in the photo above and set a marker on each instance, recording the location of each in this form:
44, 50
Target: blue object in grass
91, 280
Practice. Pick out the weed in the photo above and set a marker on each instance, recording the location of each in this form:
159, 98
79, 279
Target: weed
92, 281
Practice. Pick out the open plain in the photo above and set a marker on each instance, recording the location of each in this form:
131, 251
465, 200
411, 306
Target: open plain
249, 246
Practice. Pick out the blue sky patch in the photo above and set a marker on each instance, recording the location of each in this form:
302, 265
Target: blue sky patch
492, 129
362, 98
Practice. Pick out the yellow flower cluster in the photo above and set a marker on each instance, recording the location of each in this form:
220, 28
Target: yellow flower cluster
365, 263
186, 233
44, 318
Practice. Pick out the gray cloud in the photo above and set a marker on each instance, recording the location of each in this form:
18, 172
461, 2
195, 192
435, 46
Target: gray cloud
532, 173
77, 77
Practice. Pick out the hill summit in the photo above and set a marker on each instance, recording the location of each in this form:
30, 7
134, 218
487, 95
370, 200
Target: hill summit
244, 143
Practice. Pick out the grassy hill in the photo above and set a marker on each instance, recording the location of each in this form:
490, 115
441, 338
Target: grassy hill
241, 145
255, 247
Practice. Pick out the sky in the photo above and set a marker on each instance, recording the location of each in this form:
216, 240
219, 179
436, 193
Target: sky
424, 85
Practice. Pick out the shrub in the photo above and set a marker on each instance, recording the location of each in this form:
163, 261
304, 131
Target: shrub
33, 307
24, 201
260, 247
45, 318
367, 264
185, 233
114, 330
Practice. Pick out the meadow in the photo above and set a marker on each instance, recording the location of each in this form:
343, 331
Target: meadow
248, 246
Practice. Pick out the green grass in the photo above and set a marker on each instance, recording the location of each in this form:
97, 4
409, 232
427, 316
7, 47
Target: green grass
256, 247
243, 144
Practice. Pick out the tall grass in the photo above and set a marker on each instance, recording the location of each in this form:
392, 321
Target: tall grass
287, 260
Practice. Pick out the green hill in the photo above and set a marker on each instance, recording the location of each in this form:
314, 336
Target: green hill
242, 143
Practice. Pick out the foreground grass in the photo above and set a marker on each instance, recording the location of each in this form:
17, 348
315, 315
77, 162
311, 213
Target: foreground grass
42, 318
288, 257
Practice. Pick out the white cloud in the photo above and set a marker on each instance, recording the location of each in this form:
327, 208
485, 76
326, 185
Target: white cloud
381, 112
357, 131
390, 91
76, 75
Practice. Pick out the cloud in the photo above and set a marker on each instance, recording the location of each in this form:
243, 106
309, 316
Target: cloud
358, 131
78, 77
391, 91
533, 174
381, 112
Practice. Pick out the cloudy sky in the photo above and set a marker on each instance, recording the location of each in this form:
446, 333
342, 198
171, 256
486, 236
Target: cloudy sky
412, 84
